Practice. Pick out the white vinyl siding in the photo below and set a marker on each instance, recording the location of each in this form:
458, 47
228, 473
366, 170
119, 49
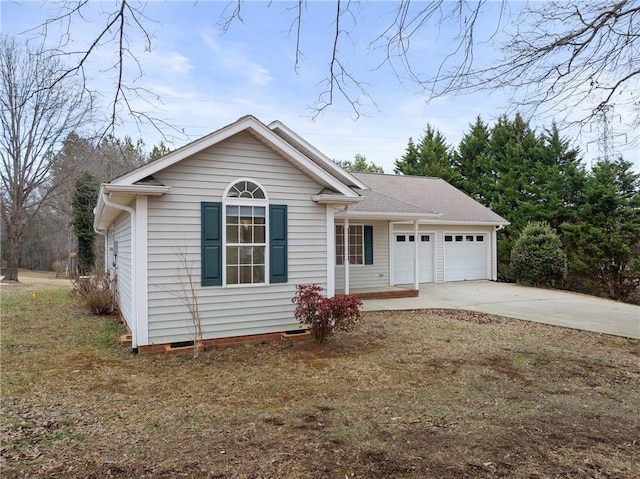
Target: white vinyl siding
122, 235
374, 275
174, 226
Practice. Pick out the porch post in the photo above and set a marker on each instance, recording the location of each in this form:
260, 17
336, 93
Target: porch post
416, 262
331, 252
346, 255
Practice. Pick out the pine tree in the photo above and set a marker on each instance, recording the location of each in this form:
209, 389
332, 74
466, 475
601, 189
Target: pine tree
474, 162
603, 241
360, 163
430, 157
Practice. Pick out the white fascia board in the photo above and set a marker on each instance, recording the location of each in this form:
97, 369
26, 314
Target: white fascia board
308, 165
132, 190
137, 190
185, 151
244, 123
462, 223
319, 155
336, 200
388, 216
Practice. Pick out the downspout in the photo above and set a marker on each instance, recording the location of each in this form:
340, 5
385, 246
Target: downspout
134, 292
105, 260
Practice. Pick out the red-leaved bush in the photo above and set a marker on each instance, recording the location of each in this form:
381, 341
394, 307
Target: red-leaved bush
324, 315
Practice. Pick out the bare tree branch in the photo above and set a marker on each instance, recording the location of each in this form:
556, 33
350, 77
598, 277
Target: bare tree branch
35, 119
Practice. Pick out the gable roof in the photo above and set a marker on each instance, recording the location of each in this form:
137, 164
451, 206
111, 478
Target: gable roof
314, 154
314, 167
431, 196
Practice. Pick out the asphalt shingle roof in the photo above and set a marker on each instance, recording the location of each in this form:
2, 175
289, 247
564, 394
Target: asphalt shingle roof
419, 194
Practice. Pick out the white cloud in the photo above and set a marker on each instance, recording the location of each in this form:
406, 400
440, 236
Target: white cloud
231, 57
172, 62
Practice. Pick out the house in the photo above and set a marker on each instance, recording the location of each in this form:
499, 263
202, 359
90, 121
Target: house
241, 216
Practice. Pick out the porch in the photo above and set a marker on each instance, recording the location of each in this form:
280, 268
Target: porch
384, 292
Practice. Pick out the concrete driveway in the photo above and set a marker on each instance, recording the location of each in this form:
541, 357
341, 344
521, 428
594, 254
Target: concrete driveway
559, 308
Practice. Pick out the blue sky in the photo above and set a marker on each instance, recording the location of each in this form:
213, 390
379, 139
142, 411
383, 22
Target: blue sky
206, 79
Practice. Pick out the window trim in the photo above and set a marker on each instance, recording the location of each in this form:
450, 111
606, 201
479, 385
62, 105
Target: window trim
335, 256
259, 202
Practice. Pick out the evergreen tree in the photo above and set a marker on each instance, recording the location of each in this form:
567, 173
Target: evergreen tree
558, 178
84, 201
158, 151
430, 157
360, 163
603, 240
473, 161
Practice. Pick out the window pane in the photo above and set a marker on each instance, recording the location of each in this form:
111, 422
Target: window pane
258, 234
459, 238
245, 275
232, 275
469, 238
479, 238
232, 211
259, 211
258, 255
246, 233
412, 238
255, 190
258, 274
448, 238
425, 238
245, 254
245, 211
339, 253
232, 255
401, 238
232, 234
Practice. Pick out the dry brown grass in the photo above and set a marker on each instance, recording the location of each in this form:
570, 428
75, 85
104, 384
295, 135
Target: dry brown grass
413, 394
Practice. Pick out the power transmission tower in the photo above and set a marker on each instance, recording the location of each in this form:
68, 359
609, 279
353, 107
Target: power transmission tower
606, 136
605, 133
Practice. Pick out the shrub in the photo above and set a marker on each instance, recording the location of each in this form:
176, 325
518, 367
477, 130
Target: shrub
537, 257
325, 315
97, 293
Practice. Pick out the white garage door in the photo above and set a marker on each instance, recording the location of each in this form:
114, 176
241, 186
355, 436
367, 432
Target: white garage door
465, 256
403, 258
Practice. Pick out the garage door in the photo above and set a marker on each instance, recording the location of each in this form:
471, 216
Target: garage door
465, 256
403, 258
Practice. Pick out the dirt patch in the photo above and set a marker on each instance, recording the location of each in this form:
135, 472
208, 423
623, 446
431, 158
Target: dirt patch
446, 394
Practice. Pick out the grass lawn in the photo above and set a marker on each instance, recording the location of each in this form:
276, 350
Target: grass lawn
420, 394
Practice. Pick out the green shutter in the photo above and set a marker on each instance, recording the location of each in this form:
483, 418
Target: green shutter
277, 243
211, 243
368, 245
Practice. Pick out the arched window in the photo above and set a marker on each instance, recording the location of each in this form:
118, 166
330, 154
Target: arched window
244, 238
245, 189
245, 220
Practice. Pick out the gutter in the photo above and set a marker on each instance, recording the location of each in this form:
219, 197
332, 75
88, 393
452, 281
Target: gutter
134, 292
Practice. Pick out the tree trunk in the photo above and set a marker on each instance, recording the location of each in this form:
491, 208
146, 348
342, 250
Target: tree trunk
14, 235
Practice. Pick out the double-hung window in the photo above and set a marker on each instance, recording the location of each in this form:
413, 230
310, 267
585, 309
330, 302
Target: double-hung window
245, 244
360, 244
245, 233
244, 238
